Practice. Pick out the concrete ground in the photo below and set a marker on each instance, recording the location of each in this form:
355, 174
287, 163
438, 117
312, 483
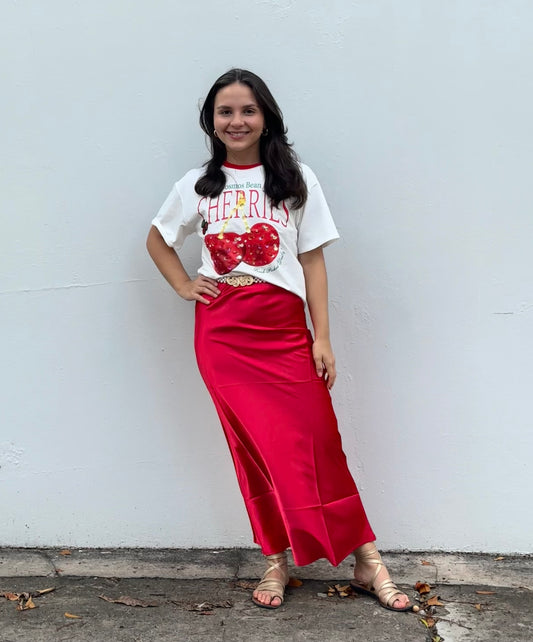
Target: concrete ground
205, 595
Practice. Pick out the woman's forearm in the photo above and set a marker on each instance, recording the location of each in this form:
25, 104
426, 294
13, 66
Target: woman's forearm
316, 285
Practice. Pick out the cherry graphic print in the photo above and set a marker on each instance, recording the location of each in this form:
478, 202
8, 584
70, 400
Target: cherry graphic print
227, 251
258, 246
261, 244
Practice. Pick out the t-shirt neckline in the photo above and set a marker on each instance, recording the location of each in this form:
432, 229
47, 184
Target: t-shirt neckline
233, 166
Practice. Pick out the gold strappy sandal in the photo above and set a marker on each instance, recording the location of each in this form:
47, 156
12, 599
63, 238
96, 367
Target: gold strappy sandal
273, 585
387, 592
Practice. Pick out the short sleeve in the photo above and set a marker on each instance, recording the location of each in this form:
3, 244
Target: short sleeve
316, 227
172, 222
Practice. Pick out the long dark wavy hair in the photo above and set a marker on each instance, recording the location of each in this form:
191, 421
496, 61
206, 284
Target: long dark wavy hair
283, 177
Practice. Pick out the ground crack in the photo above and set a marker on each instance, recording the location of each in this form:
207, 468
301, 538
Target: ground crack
56, 572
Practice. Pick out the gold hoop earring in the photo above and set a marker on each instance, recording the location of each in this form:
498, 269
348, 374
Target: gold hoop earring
215, 133
264, 132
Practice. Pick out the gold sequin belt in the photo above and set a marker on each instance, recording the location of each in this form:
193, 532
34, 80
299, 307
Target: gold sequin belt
242, 279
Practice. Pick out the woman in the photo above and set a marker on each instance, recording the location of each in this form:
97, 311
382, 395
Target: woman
264, 222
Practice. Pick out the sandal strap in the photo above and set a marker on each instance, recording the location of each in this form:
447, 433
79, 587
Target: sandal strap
275, 562
386, 592
372, 556
274, 585
387, 589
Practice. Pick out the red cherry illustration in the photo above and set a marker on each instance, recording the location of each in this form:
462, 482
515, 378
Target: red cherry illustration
261, 244
227, 252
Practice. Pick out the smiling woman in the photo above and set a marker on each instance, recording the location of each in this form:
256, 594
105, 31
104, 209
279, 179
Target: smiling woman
239, 124
263, 220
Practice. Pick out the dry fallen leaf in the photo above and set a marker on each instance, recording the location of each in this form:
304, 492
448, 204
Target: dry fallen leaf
25, 602
478, 607
129, 601
43, 591
499, 559
344, 591
434, 601
422, 588
295, 582
72, 616
208, 606
341, 591
424, 563
65, 552
486, 592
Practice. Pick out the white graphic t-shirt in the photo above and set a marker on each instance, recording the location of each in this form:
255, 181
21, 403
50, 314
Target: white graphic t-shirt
242, 233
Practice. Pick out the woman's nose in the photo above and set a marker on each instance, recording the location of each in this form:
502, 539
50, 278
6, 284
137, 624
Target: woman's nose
236, 121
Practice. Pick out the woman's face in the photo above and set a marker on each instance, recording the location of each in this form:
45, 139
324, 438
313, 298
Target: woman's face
239, 123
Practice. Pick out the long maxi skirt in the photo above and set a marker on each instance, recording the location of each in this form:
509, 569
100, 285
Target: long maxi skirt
254, 352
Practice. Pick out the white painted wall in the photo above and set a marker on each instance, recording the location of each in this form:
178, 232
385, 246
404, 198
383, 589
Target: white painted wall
417, 117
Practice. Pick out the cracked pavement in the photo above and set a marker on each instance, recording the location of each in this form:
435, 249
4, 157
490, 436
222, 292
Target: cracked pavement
205, 595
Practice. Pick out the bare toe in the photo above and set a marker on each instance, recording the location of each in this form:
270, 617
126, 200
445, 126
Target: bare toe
267, 598
401, 602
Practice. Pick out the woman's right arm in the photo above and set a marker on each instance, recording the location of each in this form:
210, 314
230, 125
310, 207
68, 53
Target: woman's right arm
170, 266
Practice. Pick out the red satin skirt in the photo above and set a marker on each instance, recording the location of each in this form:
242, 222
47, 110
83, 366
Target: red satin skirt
254, 353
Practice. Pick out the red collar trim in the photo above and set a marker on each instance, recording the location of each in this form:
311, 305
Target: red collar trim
232, 166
